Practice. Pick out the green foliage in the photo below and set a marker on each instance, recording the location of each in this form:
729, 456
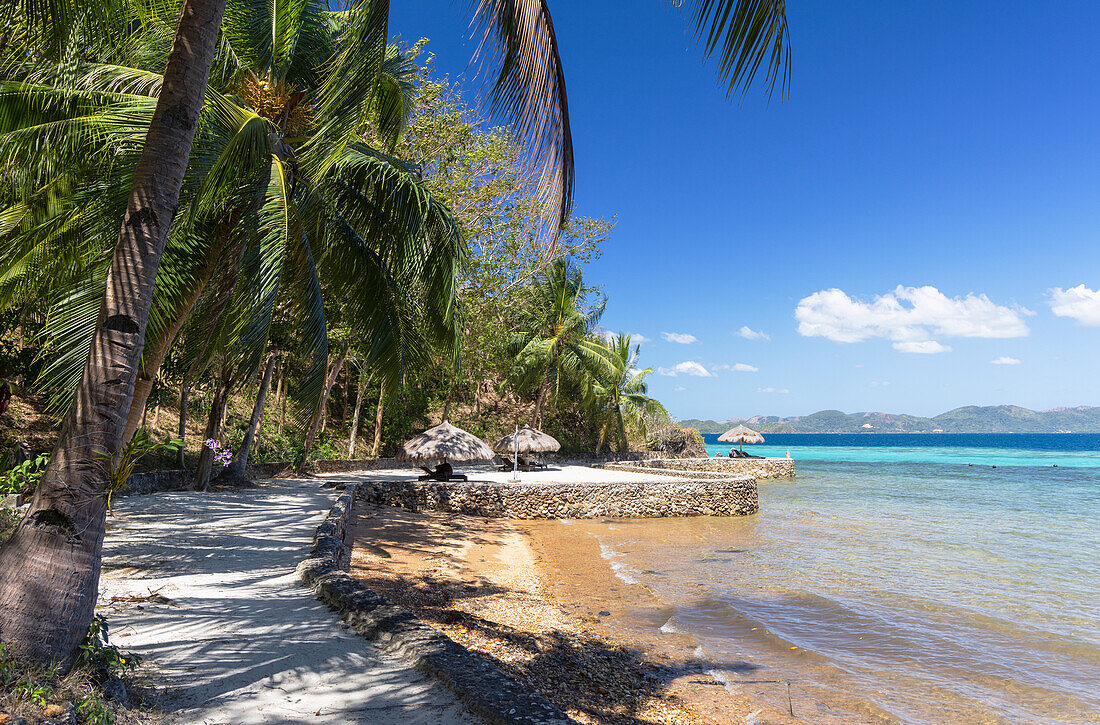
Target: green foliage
23, 477
23, 686
97, 653
553, 343
9, 520
616, 392
141, 445
33, 691
286, 215
92, 710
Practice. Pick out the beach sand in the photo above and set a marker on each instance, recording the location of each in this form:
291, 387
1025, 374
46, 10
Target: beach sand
538, 597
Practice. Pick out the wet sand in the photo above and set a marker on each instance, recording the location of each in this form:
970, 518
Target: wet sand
538, 597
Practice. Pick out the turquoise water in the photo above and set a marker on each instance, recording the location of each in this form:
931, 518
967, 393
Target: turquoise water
1081, 450
896, 583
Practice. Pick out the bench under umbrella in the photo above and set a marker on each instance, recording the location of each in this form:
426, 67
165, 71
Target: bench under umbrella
526, 440
445, 442
740, 435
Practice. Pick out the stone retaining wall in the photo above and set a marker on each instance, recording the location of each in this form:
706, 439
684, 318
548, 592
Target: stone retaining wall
474, 679
756, 467
358, 464
710, 497
179, 479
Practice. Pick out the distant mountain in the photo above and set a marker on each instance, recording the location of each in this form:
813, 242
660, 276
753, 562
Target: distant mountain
968, 419
709, 426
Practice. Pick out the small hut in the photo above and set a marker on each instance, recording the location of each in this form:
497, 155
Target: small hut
740, 435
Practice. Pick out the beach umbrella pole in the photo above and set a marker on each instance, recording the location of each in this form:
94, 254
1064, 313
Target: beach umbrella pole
515, 454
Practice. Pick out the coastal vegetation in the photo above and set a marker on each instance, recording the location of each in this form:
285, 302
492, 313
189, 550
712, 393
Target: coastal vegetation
196, 192
967, 419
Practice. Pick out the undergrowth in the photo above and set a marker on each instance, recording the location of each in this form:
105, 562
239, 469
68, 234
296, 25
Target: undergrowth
37, 692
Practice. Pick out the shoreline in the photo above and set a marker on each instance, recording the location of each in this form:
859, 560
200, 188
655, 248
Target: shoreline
544, 603
586, 579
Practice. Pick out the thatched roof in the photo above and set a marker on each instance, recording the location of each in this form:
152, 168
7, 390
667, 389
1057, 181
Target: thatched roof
445, 441
740, 434
530, 441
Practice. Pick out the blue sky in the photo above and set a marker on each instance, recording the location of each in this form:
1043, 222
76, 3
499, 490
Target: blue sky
936, 163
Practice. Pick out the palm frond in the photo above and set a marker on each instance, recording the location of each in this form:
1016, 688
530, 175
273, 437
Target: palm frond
745, 33
529, 90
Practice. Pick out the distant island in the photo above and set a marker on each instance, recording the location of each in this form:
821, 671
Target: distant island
968, 419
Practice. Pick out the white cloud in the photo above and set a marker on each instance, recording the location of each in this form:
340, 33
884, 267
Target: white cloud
750, 334
679, 388
681, 337
738, 367
908, 316
878, 383
688, 367
1080, 303
924, 347
780, 391
1005, 361
635, 339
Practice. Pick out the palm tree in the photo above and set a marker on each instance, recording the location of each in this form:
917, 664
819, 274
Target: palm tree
299, 207
49, 568
617, 392
51, 564
552, 342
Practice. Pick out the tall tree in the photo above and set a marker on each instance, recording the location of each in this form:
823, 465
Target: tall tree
49, 569
617, 392
553, 343
239, 468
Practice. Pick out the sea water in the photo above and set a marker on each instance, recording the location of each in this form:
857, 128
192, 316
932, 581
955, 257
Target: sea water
915, 579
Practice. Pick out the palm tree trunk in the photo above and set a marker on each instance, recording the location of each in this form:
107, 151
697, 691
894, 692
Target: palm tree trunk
240, 461
447, 403
360, 384
539, 402
281, 395
181, 430
213, 431
344, 410
378, 423
316, 424
49, 568
154, 353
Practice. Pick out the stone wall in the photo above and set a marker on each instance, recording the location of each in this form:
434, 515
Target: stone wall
756, 467
179, 479
359, 464
711, 497
588, 459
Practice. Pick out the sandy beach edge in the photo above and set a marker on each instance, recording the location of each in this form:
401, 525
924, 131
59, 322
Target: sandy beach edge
548, 607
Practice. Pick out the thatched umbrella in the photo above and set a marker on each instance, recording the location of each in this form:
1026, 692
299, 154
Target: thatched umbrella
526, 440
445, 442
740, 435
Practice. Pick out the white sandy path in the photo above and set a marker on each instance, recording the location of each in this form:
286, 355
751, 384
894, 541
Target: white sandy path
246, 643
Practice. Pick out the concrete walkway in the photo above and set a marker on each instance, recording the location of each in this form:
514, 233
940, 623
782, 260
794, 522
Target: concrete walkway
235, 638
